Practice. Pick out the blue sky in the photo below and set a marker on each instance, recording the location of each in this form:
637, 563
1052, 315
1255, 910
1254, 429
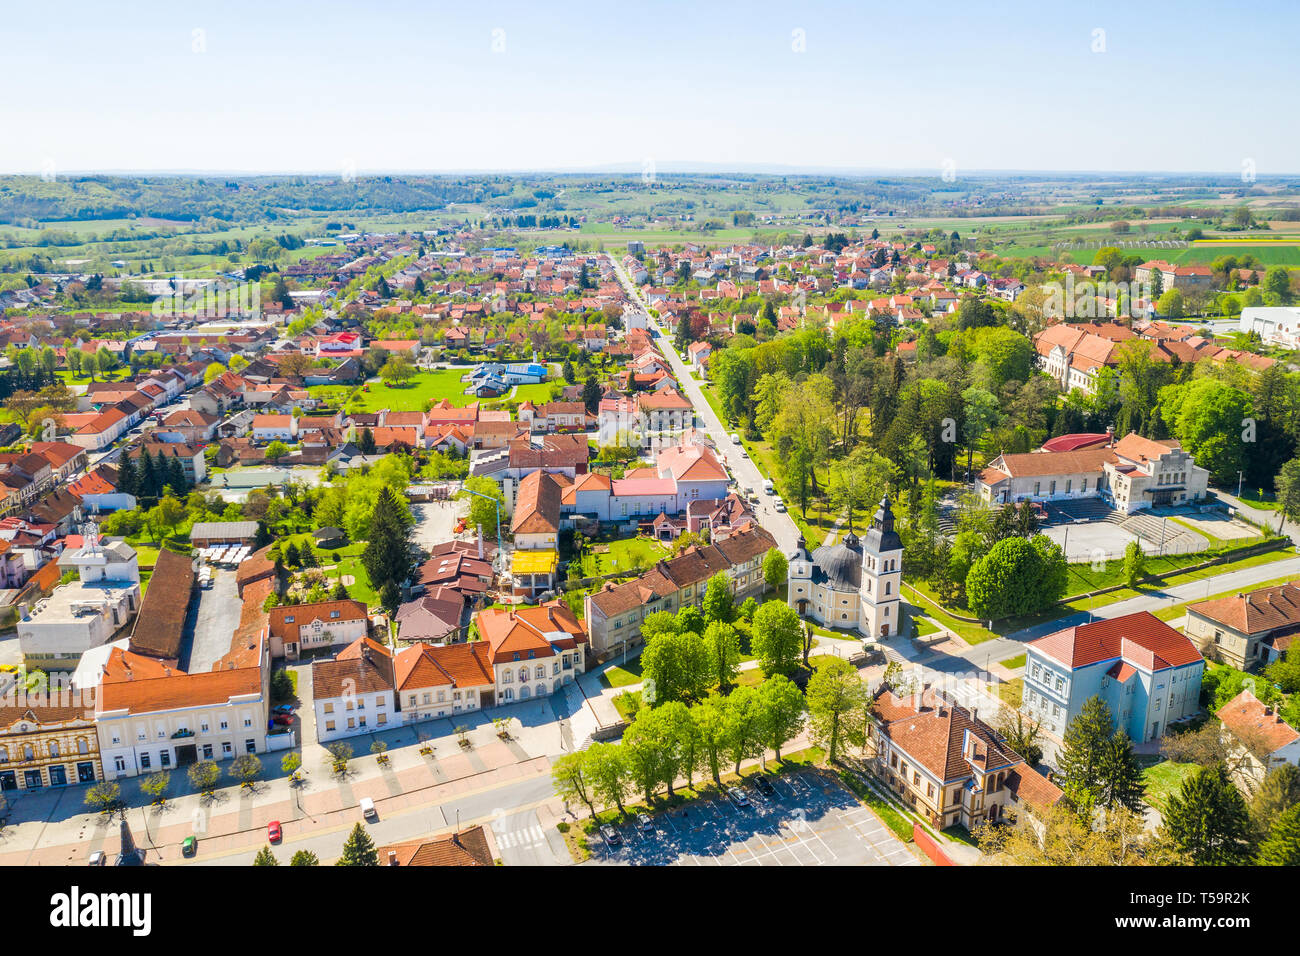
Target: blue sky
327, 86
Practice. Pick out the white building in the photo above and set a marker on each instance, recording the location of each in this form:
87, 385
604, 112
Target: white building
854, 584
1275, 325
354, 693
84, 613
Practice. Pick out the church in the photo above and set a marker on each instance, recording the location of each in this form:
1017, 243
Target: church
854, 583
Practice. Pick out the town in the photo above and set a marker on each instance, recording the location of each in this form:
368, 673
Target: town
551, 511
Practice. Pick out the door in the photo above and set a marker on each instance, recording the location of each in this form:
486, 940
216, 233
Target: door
186, 754
8, 780
85, 772
32, 779
58, 776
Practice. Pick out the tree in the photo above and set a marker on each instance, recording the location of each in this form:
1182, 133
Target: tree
245, 768
1277, 282
276, 450
648, 753
398, 370
1016, 577
1119, 776
1287, 483
1207, 821
837, 701
718, 600
359, 849
204, 776
1021, 733
340, 753
1135, 560
1118, 839
740, 729
155, 785
570, 777
103, 796
304, 858
607, 769
858, 482
780, 712
387, 557
265, 857
1279, 791
675, 667
777, 637
282, 684
1282, 846
722, 645
1083, 746
290, 763
710, 722
482, 513
775, 568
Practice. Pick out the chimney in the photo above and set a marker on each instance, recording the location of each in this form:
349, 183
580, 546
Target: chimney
480, 542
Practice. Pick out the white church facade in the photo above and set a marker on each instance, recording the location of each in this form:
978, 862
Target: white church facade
855, 583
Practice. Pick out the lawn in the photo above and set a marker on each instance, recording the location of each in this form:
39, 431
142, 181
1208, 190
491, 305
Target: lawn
1012, 692
623, 555
1164, 779
361, 588
622, 675
627, 704
1012, 663
423, 387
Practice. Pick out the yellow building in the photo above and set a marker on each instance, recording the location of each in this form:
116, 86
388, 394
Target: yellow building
46, 745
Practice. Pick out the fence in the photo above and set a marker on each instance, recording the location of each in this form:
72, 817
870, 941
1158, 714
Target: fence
929, 847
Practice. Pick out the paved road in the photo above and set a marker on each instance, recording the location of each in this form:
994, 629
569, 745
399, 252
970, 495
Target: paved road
744, 470
979, 656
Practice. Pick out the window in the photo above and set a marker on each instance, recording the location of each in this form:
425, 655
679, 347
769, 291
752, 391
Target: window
226, 748
329, 726
165, 758
250, 745
329, 708
144, 762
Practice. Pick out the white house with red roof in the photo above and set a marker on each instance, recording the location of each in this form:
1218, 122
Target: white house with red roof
1261, 739
1147, 673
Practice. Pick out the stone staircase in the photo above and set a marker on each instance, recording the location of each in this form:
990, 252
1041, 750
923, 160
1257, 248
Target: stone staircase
1086, 509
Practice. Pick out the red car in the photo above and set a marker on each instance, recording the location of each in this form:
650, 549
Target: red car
273, 831
284, 719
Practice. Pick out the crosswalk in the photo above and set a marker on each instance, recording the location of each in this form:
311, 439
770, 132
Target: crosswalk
520, 838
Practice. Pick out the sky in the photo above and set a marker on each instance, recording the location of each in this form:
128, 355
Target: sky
322, 86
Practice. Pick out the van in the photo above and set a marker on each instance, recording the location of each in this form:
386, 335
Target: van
368, 809
768, 487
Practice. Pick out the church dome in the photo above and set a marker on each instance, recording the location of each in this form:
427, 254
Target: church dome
841, 563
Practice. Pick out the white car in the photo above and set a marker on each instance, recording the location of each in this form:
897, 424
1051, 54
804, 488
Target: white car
735, 438
779, 505
368, 809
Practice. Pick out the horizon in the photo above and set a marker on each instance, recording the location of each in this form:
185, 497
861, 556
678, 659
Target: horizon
511, 88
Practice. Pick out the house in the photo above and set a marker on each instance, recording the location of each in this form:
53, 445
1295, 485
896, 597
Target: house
948, 765
84, 613
535, 523
47, 742
853, 584
206, 534
435, 615
1147, 673
98, 492
298, 629
466, 848
1132, 474
614, 613
533, 651
353, 692
1260, 739
194, 465
1246, 630
436, 681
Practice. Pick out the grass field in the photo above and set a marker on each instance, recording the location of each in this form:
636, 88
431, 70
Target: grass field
1164, 779
623, 555
430, 387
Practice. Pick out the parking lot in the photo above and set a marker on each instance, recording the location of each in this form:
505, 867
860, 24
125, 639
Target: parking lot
809, 820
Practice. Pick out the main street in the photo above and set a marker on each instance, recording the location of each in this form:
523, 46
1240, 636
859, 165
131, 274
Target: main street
744, 470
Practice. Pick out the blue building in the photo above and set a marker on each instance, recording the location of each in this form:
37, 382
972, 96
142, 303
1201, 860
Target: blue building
1148, 674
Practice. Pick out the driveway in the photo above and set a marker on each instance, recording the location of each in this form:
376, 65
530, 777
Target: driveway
211, 623
435, 521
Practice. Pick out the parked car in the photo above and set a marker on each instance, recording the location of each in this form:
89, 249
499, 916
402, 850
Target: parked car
97, 858
735, 438
610, 835
368, 809
282, 709
764, 786
188, 846
779, 505
644, 823
283, 720
737, 796
273, 832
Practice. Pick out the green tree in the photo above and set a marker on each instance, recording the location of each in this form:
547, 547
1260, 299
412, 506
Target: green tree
1282, 846
1135, 560
482, 512
722, 644
359, 849
387, 557
1119, 775
718, 600
837, 701
155, 785
1207, 820
741, 736
265, 857
775, 568
569, 775
1279, 792
780, 712
1287, 483
1083, 748
245, 768
276, 450
777, 637
607, 769
674, 667
204, 776
304, 858
103, 796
